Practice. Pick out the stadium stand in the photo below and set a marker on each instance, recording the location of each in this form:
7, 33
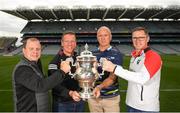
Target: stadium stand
163, 49
50, 49
174, 47
126, 49
17, 51
96, 12
49, 24
7, 44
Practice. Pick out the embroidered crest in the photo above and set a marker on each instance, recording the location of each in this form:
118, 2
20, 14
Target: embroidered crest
138, 61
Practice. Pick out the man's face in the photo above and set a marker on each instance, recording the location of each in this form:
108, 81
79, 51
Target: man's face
140, 40
104, 37
68, 43
32, 51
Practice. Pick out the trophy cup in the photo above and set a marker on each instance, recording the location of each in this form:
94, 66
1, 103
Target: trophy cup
86, 73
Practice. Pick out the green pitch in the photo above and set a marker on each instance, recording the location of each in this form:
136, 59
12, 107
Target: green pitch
169, 90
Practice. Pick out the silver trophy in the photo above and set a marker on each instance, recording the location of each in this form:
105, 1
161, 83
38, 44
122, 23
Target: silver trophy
86, 72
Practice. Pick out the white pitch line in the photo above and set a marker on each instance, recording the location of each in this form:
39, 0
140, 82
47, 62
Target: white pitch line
6, 90
162, 90
170, 90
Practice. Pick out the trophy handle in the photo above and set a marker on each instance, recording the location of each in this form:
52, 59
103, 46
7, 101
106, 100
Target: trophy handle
101, 64
102, 73
73, 74
72, 64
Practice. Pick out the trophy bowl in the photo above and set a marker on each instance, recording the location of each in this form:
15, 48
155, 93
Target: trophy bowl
86, 72
86, 75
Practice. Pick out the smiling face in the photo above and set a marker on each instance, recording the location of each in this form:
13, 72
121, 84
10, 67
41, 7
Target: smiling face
140, 39
104, 37
32, 49
68, 43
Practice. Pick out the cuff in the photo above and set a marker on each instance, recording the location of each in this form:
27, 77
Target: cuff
114, 68
118, 69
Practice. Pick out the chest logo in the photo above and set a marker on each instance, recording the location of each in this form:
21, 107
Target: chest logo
138, 61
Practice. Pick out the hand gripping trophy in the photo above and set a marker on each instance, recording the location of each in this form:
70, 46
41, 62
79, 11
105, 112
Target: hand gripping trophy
86, 72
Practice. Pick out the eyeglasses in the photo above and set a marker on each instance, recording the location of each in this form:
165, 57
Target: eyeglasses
138, 38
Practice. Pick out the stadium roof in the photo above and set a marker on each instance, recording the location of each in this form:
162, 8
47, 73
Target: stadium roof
97, 12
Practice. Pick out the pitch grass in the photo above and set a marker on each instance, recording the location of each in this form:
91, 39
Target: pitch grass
169, 90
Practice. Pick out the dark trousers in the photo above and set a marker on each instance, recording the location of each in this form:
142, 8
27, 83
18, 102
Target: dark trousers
131, 109
70, 106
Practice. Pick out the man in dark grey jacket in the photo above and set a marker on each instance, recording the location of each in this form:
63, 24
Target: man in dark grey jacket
30, 86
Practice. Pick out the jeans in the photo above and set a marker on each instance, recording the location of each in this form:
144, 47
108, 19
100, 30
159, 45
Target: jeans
70, 106
131, 109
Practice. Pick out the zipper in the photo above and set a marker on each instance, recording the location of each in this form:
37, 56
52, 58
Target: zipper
141, 93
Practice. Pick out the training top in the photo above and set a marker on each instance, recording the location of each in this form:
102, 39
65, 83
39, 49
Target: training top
116, 57
143, 80
61, 91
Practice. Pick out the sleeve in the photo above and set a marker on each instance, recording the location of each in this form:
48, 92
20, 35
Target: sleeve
25, 76
53, 66
137, 77
151, 65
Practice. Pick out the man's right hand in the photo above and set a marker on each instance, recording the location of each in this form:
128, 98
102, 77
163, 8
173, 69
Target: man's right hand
75, 95
96, 91
108, 65
65, 66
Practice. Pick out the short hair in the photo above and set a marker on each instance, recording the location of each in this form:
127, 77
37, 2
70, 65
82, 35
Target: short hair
68, 32
139, 29
104, 27
31, 39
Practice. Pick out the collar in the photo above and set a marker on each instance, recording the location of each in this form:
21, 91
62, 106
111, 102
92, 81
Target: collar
140, 52
109, 48
61, 53
31, 62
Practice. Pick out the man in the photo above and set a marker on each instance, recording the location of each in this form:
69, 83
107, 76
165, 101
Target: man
65, 95
107, 87
30, 86
143, 75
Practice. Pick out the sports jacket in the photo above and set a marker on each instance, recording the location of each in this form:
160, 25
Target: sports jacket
61, 91
143, 80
